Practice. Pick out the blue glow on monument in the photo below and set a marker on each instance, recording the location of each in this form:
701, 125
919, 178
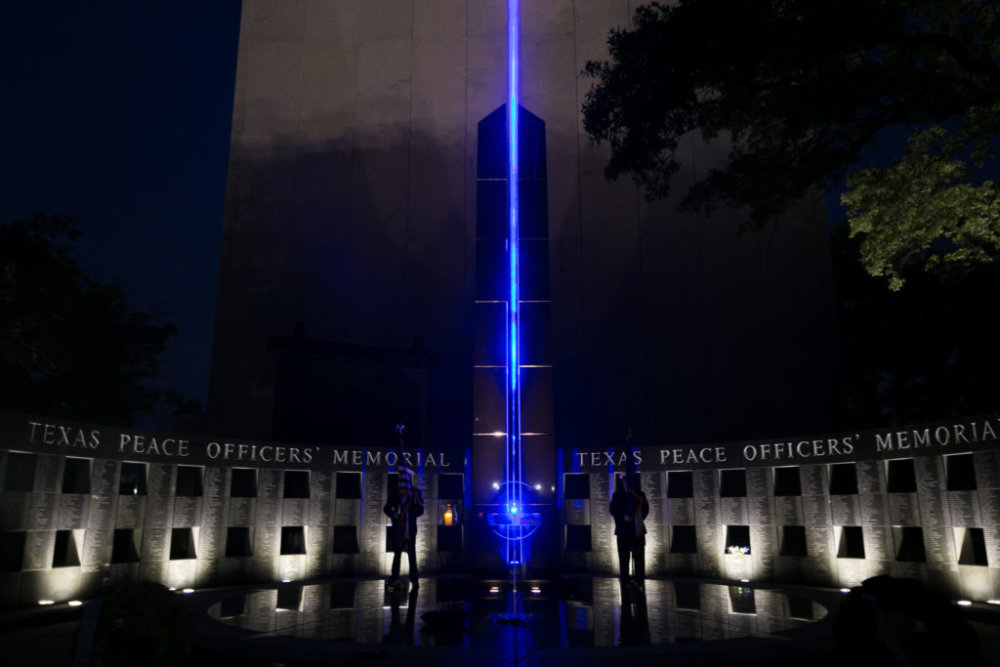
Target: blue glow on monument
514, 521
513, 458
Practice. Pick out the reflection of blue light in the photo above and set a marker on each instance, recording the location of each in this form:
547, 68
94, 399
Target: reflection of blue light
514, 520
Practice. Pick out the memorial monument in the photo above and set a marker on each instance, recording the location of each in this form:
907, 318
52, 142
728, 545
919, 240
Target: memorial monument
376, 269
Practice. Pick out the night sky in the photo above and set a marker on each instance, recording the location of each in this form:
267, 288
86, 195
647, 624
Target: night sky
119, 112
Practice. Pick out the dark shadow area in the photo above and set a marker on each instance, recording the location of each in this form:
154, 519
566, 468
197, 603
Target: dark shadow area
581, 621
921, 353
136, 624
340, 313
890, 621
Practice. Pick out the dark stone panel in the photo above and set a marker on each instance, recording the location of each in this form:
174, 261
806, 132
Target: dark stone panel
536, 401
533, 209
492, 270
489, 411
19, 472
491, 209
534, 269
490, 347
492, 158
536, 333
531, 149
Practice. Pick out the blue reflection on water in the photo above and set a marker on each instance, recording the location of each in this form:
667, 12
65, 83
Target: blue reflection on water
569, 612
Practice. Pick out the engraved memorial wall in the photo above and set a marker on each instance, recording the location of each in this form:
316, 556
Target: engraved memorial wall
917, 501
83, 506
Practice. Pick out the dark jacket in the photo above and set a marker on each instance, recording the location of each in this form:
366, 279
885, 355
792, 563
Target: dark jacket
394, 510
625, 503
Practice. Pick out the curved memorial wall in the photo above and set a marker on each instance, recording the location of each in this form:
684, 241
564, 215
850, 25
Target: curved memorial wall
917, 501
83, 506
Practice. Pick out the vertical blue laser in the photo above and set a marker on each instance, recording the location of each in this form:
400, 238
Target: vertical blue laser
514, 362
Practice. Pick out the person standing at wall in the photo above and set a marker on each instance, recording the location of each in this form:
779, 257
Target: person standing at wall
629, 507
404, 507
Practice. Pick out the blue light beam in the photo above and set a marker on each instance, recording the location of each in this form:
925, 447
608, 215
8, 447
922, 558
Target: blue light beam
513, 466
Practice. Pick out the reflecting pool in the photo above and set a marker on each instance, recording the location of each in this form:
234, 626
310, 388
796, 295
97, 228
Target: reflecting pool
569, 612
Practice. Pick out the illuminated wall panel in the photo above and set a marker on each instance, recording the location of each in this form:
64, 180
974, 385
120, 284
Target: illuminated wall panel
191, 527
837, 517
59, 545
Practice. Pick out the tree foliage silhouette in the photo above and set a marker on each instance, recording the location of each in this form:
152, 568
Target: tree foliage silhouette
69, 345
800, 88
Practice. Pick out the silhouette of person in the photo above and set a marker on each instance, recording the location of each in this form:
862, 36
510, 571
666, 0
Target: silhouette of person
634, 629
400, 633
629, 507
404, 506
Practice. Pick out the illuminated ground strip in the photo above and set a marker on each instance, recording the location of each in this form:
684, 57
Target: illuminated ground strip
513, 471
